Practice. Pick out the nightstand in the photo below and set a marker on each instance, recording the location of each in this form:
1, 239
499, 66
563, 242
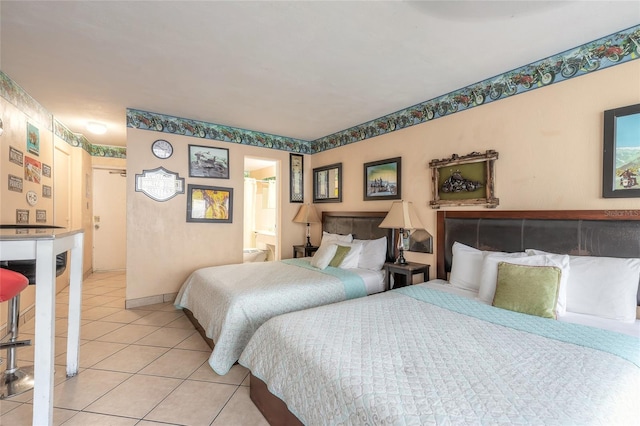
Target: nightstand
304, 251
403, 274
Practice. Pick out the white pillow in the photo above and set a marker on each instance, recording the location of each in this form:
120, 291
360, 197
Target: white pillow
489, 275
335, 238
466, 267
606, 287
373, 254
323, 255
352, 258
563, 262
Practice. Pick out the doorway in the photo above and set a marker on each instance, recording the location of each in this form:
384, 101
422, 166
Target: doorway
109, 220
261, 210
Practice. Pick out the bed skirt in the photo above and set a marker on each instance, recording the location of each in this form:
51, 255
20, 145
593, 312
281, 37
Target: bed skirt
272, 408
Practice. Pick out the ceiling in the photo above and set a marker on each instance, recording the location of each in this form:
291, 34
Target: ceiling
301, 69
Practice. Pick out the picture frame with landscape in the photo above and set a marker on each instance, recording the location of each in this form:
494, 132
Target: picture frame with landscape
208, 162
621, 153
383, 179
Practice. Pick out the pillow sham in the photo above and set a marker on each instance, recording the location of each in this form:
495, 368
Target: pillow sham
606, 287
352, 257
531, 290
338, 258
335, 238
563, 261
323, 255
466, 266
373, 253
489, 274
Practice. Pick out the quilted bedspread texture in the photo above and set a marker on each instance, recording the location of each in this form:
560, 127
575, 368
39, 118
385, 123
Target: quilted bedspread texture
395, 359
232, 301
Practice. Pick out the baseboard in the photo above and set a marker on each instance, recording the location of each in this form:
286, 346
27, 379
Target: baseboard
150, 300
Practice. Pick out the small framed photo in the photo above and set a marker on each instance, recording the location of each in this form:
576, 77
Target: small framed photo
621, 169
16, 156
46, 170
382, 180
46, 191
467, 180
209, 204
208, 162
32, 169
296, 175
33, 139
41, 216
22, 216
327, 184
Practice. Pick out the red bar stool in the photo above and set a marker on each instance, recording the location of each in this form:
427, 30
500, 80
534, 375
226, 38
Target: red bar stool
14, 380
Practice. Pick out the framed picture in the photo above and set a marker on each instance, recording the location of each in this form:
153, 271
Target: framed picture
296, 174
621, 156
208, 162
209, 204
382, 180
327, 184
33, 139
32, 169
464, 181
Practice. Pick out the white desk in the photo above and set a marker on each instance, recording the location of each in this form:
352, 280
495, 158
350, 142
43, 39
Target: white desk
43, 245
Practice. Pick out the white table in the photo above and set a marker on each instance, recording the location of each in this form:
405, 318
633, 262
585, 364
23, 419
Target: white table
43, 245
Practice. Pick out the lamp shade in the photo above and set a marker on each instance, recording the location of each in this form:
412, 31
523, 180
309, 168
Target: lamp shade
307, 214
402, 216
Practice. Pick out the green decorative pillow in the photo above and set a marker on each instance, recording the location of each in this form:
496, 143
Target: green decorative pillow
531, 290
341, 253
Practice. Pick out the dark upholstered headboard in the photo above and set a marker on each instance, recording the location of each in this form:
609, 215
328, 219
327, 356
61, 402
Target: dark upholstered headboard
362, 225
611, 233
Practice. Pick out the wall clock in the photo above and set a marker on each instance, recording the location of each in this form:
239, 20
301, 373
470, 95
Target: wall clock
162, 149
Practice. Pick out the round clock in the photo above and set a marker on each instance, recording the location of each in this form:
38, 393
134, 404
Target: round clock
32, 198
162, 149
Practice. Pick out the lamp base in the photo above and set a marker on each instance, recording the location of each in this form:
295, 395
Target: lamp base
309, 242
401, 260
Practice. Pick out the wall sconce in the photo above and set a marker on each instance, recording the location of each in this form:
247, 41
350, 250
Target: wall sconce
1, 127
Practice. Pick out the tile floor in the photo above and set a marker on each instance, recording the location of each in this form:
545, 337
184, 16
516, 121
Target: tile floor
143, 366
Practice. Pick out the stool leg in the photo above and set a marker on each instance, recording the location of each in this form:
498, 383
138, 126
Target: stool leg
14, 380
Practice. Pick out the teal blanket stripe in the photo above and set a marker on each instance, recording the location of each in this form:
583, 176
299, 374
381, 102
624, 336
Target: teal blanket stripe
353, 284
621, 345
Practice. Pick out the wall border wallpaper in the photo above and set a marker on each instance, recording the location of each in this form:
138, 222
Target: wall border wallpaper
200, 129
605, 52
602, 53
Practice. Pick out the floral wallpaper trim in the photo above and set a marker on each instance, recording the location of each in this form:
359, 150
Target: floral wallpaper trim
182, 126
617, 48
78, 139
602, 53
17, 96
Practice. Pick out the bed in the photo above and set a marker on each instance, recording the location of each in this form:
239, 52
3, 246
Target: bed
227, 303
437, 353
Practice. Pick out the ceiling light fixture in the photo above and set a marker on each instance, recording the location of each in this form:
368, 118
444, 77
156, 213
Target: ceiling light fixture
96, 128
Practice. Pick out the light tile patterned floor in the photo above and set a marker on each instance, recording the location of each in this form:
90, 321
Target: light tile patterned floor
144, 366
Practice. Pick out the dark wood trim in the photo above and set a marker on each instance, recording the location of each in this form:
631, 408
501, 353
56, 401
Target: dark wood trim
521, 214
272, 408
353, 214
198, 327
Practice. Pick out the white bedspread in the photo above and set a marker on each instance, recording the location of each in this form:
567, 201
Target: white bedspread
231, 301
394, 359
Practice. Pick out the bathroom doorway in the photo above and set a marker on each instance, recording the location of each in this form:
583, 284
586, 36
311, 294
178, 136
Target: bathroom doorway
261, 210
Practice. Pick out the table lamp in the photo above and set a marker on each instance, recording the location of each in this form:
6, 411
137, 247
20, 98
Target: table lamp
403, 217
307, 214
